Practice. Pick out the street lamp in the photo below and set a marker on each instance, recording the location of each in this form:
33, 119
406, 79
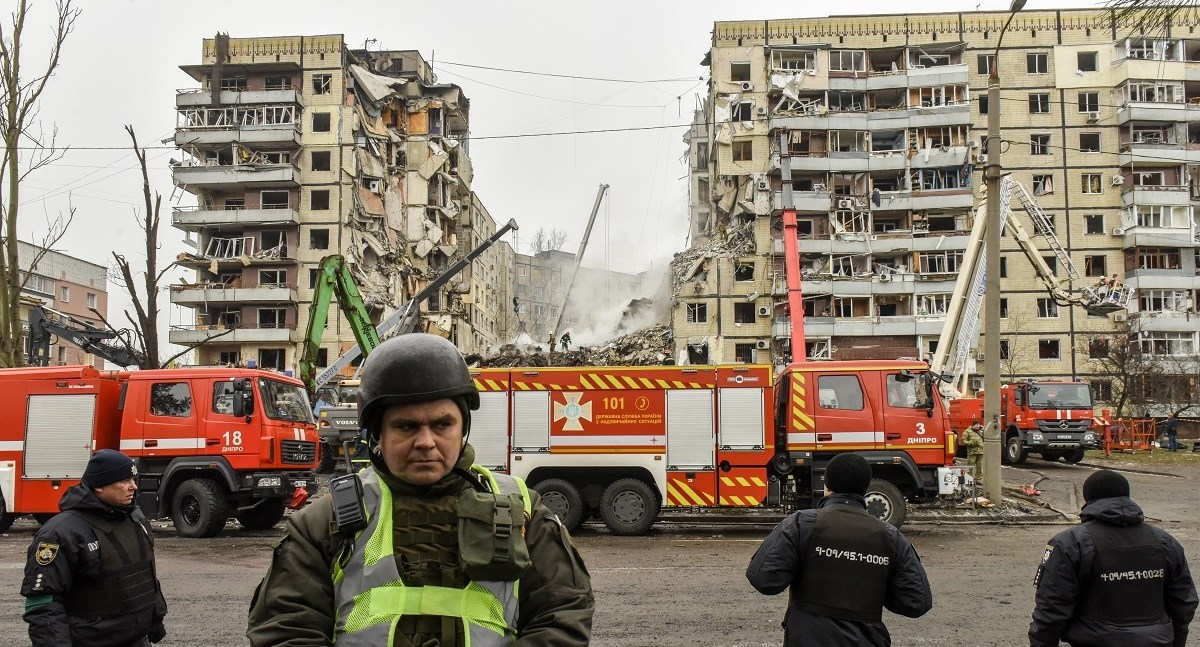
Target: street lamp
992, 444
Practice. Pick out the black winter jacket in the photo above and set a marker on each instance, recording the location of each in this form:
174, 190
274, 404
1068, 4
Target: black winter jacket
1060, 585
778, 562
72, 553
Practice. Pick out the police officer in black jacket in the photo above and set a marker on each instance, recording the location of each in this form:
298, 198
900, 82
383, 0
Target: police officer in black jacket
843, 566
1112, 580
89, 578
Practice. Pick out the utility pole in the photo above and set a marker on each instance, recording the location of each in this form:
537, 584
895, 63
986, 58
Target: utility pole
992, 444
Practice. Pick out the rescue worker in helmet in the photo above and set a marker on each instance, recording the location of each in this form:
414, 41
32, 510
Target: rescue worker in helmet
449, 553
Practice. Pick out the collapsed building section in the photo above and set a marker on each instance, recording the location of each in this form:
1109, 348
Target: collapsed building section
297, 148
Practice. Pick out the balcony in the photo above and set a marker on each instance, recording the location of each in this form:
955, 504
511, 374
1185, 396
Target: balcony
265, 134
940, 156
194, 295
886, 80
196, 219
805, 201
943, 115
1166, 112
1142, 236
825, 121
206, 176
1167, 321
945, 199
1167, 195
937, 75
195, 334
901, 326
196, 97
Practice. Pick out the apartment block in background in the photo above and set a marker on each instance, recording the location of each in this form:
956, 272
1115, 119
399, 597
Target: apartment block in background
884, 119
64, 284
596, 302
297, 148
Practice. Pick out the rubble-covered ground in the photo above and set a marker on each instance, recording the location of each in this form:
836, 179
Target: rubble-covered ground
646, 347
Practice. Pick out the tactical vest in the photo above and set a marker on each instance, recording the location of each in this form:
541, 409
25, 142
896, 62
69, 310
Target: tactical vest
846, 570
371, 597
126, 582
1125, 584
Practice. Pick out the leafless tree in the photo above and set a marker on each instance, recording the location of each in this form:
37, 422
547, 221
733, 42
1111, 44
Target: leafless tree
1122, 358
548, 240
25, 152
1020, 348
145, 304
1152, 16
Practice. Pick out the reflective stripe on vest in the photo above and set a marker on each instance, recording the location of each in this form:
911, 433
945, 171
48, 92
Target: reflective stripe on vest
371, 597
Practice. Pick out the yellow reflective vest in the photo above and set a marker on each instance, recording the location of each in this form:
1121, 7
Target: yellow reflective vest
371, 597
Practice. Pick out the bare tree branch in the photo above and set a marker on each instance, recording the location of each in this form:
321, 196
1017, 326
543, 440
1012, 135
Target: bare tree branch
1140, 16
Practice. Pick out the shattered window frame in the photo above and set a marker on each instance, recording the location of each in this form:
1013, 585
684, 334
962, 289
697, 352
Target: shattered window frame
322, 122
739, 71
1089, 142
742, 111
1093, 223
743, 271
269, 199
322, 83
697, 312
318, 238
229, 357
1049, 349
272, 277
271, 317
318, 200
1047, 308
744, 313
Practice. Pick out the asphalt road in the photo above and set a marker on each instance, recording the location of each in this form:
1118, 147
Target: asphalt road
686, 585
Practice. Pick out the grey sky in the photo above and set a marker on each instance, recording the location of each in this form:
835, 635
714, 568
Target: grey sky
121, 66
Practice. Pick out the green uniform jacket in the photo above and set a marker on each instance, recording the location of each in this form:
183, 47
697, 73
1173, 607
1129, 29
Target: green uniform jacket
294, 604
973, 441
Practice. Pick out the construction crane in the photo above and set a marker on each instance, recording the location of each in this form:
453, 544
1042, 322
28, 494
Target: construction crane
80, 333
961, 333
562, 310
335, 279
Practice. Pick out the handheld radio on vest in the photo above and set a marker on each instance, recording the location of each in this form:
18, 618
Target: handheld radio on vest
349, 509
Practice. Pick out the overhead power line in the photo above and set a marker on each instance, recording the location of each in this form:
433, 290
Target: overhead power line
568, 76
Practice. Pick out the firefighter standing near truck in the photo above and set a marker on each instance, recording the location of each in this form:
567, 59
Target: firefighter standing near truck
90, 579
1113, 579
444, 552
843, 566
973, 440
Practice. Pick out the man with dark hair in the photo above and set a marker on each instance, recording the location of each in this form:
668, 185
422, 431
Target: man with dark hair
444, 552
1171, 429
843, 566
1113, 579
89, 578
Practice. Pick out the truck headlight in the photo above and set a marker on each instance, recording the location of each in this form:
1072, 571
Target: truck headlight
1036, 437
270, 481
1089, 437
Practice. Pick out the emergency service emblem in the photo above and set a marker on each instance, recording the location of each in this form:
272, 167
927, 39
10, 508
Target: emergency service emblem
572, 411
46, 553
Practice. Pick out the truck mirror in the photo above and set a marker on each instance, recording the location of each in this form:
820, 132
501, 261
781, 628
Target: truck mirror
243, 399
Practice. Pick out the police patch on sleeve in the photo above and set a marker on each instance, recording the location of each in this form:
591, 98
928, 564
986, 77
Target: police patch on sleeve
1037, 578
46, 552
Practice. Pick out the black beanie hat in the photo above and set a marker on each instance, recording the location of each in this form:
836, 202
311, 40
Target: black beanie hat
1104, 484
106, 467
848, 474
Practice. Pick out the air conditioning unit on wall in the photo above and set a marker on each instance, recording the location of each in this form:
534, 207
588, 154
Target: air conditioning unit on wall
747, 86
764, 311
762, 344
1118, 231
1092, 117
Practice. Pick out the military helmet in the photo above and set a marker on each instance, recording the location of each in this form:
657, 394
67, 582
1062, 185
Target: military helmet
416, 367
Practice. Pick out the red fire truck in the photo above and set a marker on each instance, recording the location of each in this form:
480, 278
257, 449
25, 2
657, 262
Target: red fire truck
210, 443
1047, 418
625, 442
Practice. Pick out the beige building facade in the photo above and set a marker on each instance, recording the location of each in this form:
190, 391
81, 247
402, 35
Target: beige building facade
64, 284
297, 148
884, 119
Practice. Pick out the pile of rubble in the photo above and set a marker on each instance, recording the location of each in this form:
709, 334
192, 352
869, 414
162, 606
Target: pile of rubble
692, 264
647, 347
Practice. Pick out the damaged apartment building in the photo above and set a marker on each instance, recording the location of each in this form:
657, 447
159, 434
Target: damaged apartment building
882, 119
297, 148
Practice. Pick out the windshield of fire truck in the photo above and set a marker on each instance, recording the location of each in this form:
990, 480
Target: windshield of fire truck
1060, 396
283, 401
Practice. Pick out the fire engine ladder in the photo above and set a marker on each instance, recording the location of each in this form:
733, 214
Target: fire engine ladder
1041, 222
960, 335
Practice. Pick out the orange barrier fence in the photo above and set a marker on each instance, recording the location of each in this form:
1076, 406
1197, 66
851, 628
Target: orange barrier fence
1128, 435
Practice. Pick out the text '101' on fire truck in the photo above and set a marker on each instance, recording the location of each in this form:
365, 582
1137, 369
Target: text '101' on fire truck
627, 442
209, 443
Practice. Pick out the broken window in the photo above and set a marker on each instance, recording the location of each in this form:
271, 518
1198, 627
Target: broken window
851, 306
371, 183
318, 238
275, 200
1047, 308
743, 313
1052, 263
274, 240
1043, 184
743, 151
1089, 142
314, 276
278, 83
436, 127
271, 157
743, 272
983, 63
322, 357
233, 84
231, 247
1086, 61
742, 111
272, 358
1039, 103
818, 349
233, 279
320, 161
1004, 308
227, 317
793, 61
847, 101
939, 262
229, 357
269, 278
701, 156
322, 83
739, 71
697, 312
320, 122
272, 318
1039, 144
1048, 348
1094, 223
318, 200
933, 304
234, 204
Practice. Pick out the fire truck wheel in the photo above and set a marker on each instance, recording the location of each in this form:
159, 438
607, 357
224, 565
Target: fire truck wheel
563, 500
1014, 453
886, 503
262, 516
628, 507
199, 509
1075, 456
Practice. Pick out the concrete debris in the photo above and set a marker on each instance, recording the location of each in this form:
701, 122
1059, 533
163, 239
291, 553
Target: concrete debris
691, 265
647, 347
